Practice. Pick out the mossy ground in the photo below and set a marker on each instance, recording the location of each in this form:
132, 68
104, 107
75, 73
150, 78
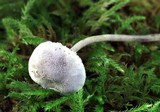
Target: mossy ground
120, 76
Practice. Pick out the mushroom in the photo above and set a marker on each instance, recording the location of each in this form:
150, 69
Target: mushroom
54, 66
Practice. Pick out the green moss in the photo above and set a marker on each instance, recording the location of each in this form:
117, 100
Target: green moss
120, 76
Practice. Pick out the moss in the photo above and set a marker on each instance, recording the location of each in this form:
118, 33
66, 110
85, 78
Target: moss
120, 76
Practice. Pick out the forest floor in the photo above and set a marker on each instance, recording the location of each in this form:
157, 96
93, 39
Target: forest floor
121, 76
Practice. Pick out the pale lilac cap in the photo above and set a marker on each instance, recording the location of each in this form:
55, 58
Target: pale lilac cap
55, 66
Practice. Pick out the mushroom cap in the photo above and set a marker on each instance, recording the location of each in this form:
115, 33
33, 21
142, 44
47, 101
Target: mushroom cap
54, 66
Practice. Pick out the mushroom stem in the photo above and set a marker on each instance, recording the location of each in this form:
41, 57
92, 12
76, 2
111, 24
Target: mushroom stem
115, 37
